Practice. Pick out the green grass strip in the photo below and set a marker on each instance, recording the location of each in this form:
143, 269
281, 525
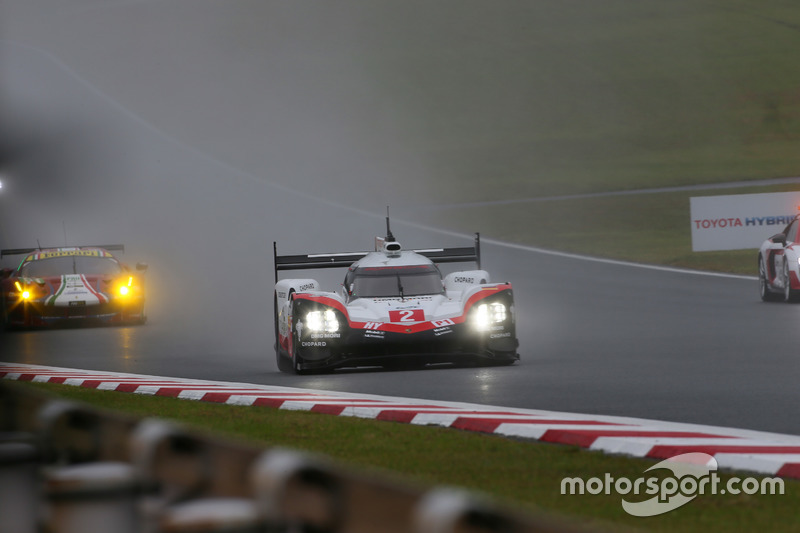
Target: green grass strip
520, 472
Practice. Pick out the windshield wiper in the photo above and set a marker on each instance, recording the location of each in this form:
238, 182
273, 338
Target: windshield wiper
400, 287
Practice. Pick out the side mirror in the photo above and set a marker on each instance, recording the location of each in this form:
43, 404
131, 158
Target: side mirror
778, 238
141, 267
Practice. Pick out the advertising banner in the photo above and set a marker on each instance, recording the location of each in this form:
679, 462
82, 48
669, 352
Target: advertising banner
740, 221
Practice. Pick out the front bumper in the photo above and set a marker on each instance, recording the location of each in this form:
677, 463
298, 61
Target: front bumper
35, 314
364, 347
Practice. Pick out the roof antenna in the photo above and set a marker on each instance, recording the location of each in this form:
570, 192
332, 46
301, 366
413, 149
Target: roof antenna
64, 225
389, 236
39, 245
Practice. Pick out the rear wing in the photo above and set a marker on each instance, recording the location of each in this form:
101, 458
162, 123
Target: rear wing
343, 260
23, 251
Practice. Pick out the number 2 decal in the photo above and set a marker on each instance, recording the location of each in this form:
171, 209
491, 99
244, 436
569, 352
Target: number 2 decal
407, 315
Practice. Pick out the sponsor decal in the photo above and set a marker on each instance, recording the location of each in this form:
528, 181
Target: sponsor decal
396, 298
67, 253
464, 279
314, 344
371, 334
326, 335
500, 335
410, 306
442, 323
373, 325
442, 331
75, 287
306, 287
736, 222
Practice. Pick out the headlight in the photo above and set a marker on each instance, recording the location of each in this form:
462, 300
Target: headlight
124, 290
487, 314
24, 293
322, 321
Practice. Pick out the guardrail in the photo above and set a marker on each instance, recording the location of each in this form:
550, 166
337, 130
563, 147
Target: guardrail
70, 468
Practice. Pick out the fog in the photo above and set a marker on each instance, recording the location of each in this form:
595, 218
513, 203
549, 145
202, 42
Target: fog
195, 134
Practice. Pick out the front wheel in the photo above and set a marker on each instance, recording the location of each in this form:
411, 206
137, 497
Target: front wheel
763, 285
297, 361
281, 358
789, 294
284, 362
142, 317
4, 318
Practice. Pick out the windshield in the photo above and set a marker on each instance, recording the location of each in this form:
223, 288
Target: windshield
58, 266
382, 282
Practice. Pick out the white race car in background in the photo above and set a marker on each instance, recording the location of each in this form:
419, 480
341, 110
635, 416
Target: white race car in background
779, 265
393, 306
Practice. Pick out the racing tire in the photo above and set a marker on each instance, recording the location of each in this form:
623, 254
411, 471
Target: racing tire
763, 286
142, 317
297, 361
283, 361
4, 318
789, 295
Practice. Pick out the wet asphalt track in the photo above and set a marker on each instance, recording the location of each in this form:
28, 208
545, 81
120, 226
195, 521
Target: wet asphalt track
595, 337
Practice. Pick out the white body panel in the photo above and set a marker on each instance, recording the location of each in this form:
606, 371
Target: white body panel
459, 287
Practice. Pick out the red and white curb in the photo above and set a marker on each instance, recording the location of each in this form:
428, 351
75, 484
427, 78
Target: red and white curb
738, 449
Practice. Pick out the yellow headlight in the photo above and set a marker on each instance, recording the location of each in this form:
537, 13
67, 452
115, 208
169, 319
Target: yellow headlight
123, 290
26, 294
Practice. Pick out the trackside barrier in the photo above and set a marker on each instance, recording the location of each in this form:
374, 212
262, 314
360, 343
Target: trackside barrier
98, 496
88, 484
69, 468
19, 483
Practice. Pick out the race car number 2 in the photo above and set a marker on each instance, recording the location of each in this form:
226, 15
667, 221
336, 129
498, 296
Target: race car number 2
407, 315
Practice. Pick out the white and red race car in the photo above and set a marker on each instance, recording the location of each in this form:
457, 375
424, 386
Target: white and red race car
394, 307
779, 265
